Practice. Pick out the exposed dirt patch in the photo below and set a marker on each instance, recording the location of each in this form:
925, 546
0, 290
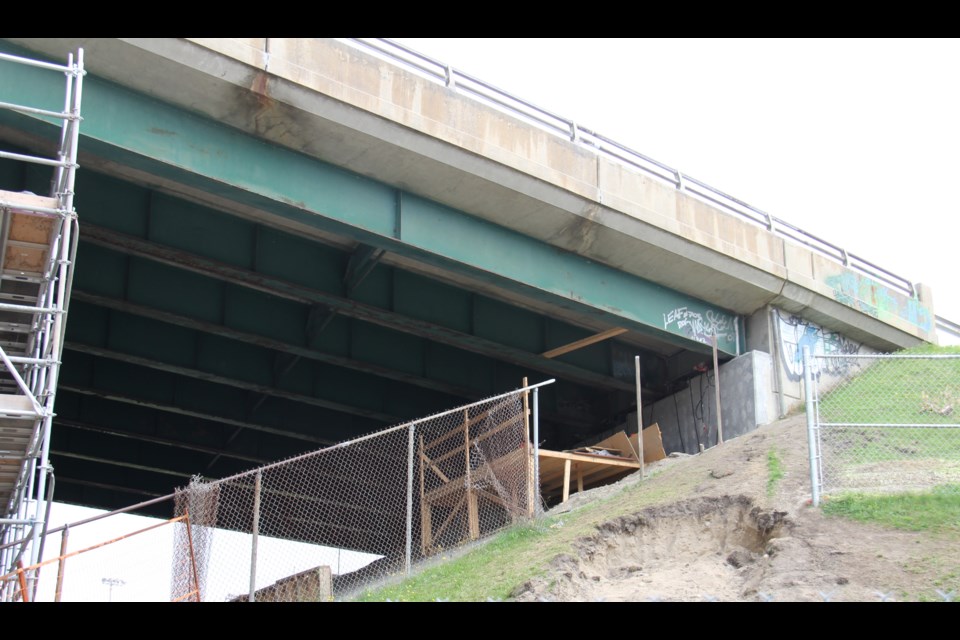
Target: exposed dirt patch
732, 539
701, 548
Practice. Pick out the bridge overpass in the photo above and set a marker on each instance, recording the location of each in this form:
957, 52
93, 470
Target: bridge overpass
285, 243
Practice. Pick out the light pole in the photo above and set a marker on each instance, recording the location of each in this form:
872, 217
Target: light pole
111, 583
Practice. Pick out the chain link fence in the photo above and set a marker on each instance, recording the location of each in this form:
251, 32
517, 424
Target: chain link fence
324, 525
883, 423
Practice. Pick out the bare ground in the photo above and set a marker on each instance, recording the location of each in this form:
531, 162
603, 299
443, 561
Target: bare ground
729, 539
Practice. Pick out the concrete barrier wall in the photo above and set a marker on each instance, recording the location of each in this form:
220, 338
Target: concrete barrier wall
688, 418
791, 333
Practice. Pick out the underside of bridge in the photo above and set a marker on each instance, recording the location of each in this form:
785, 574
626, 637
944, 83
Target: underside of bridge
218, 322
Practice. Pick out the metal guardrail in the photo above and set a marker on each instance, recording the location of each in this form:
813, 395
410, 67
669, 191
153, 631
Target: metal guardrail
946, 327
564, 127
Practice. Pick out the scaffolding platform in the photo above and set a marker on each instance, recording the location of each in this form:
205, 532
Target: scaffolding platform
38, 241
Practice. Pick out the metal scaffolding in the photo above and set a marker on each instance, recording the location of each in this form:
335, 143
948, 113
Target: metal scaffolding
38, 242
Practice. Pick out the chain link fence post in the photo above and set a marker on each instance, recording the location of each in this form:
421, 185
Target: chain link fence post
409, 549
811, 434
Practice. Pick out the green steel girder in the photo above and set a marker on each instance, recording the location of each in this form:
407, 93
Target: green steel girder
164, 391
269, 343
218, 358
101, 459
177, 443
79, 405
146, 134
362, 261
282, 288
199, 374
65, 390
69, 482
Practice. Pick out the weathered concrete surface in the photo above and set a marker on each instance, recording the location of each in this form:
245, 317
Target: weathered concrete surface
688, 419
341, 105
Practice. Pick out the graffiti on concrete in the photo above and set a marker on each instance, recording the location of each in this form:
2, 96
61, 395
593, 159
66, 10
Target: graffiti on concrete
701, 326
797, 333
878, 300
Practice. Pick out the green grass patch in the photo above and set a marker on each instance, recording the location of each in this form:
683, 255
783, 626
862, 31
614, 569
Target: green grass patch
936, 511
900, 392
499, 561
774, 471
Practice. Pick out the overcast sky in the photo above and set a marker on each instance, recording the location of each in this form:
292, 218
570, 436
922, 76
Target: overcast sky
854, 140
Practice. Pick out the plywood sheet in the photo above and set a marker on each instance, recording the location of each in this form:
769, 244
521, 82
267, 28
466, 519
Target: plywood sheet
27, 228
619, 445
13, 199
23, 258
652, 443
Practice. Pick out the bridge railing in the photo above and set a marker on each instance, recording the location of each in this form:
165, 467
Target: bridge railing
564, 127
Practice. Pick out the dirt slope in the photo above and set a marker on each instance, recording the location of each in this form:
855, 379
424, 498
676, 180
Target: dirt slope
723, 537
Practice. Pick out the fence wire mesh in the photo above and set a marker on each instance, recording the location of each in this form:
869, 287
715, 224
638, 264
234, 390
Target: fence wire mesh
324, 525
886, 423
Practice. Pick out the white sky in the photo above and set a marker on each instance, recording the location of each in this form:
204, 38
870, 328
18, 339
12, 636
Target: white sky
854, 140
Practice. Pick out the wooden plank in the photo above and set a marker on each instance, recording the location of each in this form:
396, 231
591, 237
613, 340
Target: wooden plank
583, 457
426, 523
429, 463
449, 518
473, 515
620, 442
477, 418
509, 422
483, 493
27, 228
566, 480
585, 342
15, 199
25, 258
498, 428
579, 477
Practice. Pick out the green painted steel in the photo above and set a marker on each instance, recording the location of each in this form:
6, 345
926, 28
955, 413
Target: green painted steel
128, 127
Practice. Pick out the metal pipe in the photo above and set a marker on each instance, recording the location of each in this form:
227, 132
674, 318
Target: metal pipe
636, 363
255, 530
43, 532
57, 180
107, 542
409, 497
20, 383
45, 212
193, 558
35, 63
37, 361
811, 436
34, 159
20, 308
716, 386
40, 112
536, 447
100, 516
61, 566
